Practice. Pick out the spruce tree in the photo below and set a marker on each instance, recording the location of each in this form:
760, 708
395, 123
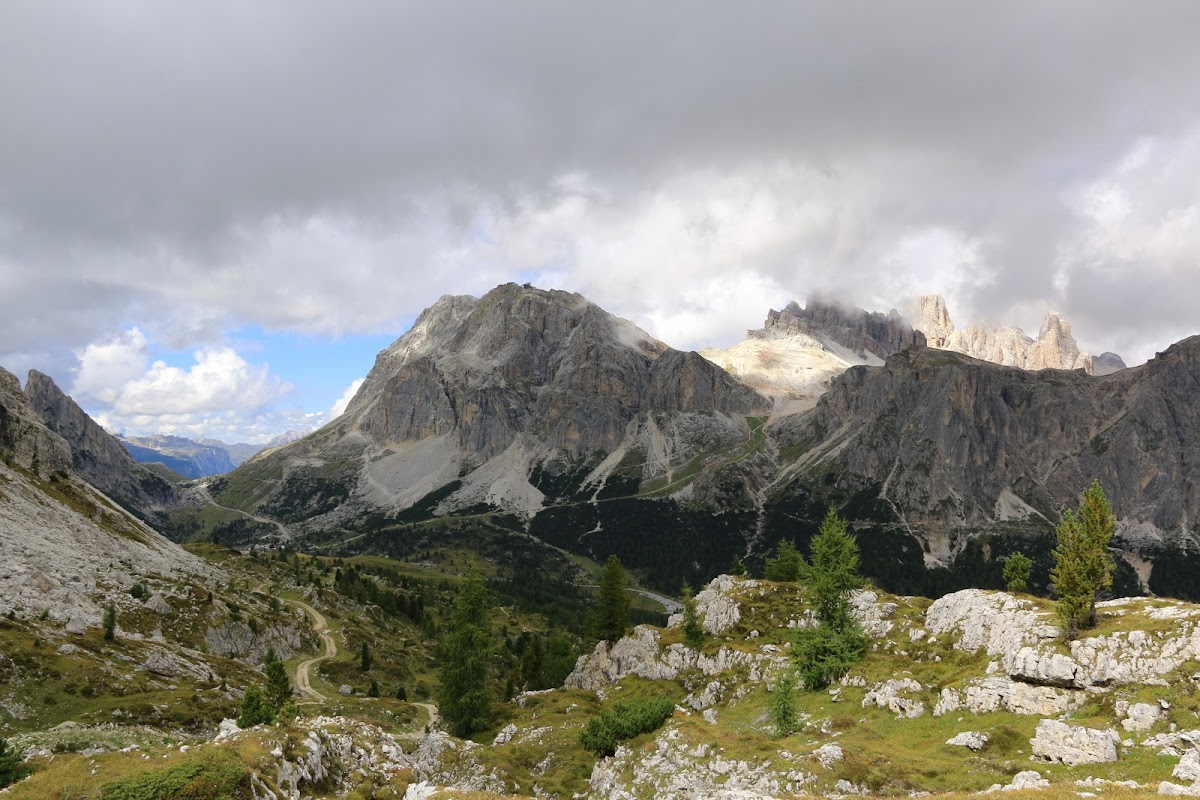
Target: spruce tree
783, 704
365, 657
1082, 564
612, 616
787, 565
12, 769
1016, 572
531, 664
256, 709
110, 622
693, 630
279, 687
464, 696
738, 567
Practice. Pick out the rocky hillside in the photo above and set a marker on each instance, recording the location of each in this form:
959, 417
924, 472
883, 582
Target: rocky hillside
975, 692
949, 444
799, 350
67, 548
96, 456
1053, 348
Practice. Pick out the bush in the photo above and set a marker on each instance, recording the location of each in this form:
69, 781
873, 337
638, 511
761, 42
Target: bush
624, 721
139, 591
215, 774
11, 768
256, 709
823, 655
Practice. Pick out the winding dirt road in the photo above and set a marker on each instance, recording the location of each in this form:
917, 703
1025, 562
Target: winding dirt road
321, 626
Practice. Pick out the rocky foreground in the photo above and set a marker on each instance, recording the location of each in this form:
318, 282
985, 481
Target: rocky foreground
974, 692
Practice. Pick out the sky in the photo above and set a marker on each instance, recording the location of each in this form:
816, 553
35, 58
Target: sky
214, 214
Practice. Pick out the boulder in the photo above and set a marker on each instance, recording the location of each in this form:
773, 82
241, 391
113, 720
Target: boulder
158, 604
1141, 717
1072, 745
828, 755
1188, 768
160, 664
505, 735
970, 739
889, 695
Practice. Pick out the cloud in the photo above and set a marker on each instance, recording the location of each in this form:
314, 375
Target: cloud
220, 394
338, 169
106, 367
339, 407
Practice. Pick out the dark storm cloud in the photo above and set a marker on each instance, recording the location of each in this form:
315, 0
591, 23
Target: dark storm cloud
183, 149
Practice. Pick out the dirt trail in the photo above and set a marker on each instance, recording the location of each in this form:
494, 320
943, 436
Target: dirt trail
321, 626
279, 526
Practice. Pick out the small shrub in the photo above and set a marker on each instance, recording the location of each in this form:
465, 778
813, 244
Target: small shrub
783, 704
214, 774
256, 709
11, 768
139, 591
823, 655
624, 721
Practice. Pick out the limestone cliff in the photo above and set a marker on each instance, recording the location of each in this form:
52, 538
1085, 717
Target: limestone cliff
96, 456
1054, 347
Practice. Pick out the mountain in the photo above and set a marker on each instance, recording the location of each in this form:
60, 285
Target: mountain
948, 446
238, 453
97, 457
509, 403
799, 350
1054, 347
539, 412
287, 437
186, 457
66, 545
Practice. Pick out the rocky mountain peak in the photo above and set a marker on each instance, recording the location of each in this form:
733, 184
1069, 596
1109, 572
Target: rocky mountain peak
828, 320
1054, 348
97, 456
24, 440
933, 319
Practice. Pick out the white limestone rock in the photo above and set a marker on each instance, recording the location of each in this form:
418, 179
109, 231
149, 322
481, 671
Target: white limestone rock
829, 754
970, 739
1141, 717
890, 695
995, 622
1073, 745
1188, 768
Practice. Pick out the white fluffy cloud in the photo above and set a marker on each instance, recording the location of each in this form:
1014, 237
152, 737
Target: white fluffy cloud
339, 407
105, 367
220, 395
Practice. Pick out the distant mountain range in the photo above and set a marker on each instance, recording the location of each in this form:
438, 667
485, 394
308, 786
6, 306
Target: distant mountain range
540, 411
199, 458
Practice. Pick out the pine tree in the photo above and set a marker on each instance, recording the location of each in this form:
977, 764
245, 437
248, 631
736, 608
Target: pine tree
737, 567
110, 622
11, 767
279, 687
612, 616
402, 693
256, 709
464, 697
1082, 564
365, 658
1016, 572
374, 690
693, 631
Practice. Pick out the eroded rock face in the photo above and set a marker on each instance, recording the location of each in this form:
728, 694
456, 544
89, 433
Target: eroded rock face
24, 439
1072, 745
980, 443
1054, 347
96, 456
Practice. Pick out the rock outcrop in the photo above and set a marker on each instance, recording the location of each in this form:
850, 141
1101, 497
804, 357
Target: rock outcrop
798, 351
1054, 347
1073, 745
96, 456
